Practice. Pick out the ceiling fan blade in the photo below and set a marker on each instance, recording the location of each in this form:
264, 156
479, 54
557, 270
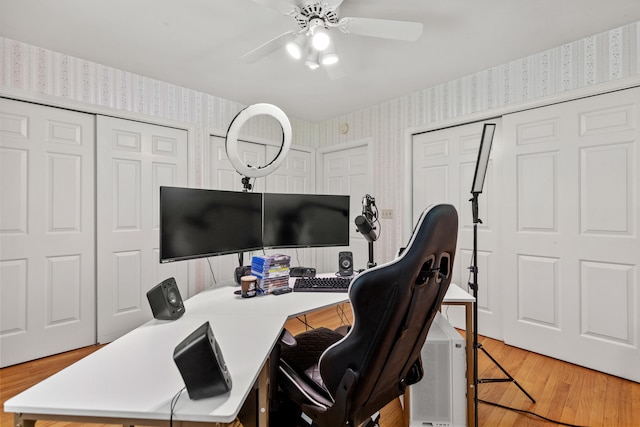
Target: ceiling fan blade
333, 4
268, 47
281, 6
384, 28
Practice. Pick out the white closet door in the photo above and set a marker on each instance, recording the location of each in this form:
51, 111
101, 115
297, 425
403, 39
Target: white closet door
47, 231
346, 170
295, 175
221, 175
443, 167
571, 232
133, 160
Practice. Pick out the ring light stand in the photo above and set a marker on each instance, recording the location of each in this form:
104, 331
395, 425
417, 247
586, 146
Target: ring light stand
248, 171
476, 189
231, 142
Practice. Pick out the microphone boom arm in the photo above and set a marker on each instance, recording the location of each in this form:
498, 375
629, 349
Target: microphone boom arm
366, 224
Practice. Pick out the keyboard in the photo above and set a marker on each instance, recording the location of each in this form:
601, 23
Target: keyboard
322, 284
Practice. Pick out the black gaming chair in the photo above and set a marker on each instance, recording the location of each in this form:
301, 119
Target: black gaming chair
338, 379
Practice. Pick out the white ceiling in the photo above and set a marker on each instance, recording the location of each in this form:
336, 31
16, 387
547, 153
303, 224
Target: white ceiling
197, 43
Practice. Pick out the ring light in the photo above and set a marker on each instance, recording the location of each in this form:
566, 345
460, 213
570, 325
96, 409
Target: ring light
231, 144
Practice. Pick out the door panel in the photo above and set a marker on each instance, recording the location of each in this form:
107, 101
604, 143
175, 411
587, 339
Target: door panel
134, 159
346, 171
221, 175
571, 232
443, 169
295, 175
47, 265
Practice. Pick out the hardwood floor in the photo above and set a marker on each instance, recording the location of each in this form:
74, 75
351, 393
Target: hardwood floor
563, 392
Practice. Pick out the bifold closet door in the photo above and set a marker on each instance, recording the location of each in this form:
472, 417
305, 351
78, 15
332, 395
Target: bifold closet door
295, 175
572, 212
443, 167
47, 267
219, 174
346, 169
133, 160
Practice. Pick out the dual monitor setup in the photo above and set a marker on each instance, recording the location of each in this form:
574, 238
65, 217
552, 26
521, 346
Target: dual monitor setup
199, 223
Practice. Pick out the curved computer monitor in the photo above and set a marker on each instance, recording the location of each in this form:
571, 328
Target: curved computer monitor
197, 223
305, 220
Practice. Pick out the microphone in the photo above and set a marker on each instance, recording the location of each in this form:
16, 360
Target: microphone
366, 228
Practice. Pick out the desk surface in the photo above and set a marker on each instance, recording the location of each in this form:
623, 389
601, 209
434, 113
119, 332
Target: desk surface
136, 377
223, 300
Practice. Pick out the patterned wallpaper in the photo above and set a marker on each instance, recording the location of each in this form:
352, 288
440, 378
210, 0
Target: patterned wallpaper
604, 57
40, 71
601, 58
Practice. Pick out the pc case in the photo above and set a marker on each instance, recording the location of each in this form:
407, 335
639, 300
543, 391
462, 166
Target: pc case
439, 399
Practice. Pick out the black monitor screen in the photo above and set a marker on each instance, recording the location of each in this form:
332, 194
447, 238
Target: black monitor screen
305, 220
197, 223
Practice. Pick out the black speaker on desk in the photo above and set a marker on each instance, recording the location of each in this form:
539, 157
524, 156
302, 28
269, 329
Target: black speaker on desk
345, 263
200, 362
165, 300
243, 270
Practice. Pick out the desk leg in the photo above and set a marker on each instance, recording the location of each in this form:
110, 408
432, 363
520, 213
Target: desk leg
406, 400
263, 396
471, 419
469, 350
18, 421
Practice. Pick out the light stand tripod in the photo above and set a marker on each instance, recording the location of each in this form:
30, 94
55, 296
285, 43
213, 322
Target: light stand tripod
476, 188
476, 345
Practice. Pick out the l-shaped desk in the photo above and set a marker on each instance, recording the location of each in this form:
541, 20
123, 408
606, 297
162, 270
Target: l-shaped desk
133, 380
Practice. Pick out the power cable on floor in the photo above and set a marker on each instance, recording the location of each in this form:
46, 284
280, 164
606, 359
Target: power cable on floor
522, 411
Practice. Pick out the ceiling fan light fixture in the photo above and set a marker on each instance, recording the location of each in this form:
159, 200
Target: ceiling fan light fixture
295, 46
329, 58
312, 59
294, 50
312, 65
320, 38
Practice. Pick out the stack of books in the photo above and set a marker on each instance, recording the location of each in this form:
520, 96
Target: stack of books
272, 271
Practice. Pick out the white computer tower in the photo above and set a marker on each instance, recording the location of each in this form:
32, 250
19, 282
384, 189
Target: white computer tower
439, 399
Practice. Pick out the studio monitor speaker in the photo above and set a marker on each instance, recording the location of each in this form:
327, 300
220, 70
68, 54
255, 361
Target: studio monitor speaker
200, 362
243, 270
165, 300
345, 263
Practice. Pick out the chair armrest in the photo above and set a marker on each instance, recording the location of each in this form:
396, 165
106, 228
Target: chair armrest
416, 372
287, 339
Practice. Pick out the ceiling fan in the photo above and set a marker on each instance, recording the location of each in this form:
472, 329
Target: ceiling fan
316, 18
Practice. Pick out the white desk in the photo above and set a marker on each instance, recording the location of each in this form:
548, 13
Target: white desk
133, 379
223, 300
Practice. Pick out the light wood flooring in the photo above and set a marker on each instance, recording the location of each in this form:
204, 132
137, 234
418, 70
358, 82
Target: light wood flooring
563, 392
